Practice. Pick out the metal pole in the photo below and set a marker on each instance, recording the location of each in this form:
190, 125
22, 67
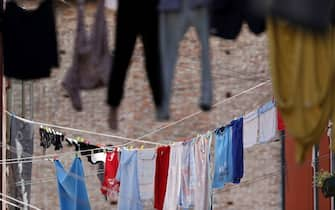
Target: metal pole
23, 100
3, 115
315, 171
283, 169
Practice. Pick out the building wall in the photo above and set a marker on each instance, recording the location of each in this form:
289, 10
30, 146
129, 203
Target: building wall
237, 66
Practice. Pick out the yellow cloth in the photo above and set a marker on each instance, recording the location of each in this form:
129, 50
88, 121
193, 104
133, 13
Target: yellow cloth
302, 70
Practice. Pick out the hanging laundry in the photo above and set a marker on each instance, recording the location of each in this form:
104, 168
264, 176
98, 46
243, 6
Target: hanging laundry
280, 122
110, 186
111, 4
302, 80
146, 164
128, 28
50, 137
172, 194
161, 175
29, 41
188, 176
71, 186
315, 15
101, 171
173, 25
91, 58
237, 150
87, 149
203, 194
22, 144
227, 17
223, 163
129, 196
267, 122
250, 129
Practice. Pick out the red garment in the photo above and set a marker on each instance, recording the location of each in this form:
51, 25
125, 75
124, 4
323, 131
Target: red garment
111, 166
162, 169
281, 125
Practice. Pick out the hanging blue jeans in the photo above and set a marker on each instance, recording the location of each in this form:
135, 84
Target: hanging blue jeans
71, 186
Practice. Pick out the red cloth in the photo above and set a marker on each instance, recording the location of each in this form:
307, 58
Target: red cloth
162, 169
111, 166
281, 125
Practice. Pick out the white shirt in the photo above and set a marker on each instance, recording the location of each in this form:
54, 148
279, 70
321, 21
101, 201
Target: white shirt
174, 178
250, 129
267, 122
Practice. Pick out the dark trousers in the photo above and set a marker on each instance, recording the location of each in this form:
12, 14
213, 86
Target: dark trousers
135, 18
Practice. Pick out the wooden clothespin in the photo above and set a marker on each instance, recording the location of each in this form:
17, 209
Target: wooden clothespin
142, 147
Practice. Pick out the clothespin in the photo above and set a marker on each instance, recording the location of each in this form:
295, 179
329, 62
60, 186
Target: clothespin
142, 147
55, 157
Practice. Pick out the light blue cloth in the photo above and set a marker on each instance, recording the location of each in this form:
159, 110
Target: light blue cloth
266, 107
188, 176
129, 196
71, 186
223, 163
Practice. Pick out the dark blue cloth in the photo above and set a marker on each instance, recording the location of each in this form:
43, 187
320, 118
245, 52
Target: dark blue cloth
71, 186
227, 17
175, 5
237, 147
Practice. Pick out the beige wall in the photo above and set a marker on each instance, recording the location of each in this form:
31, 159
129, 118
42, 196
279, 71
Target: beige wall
236, 66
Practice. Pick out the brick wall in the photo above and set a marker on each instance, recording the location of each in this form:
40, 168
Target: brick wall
237, 65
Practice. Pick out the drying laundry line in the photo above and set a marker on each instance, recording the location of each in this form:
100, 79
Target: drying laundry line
30, 158
84, 131
18, 201
46, 157
199, 112
9, 203
54, 178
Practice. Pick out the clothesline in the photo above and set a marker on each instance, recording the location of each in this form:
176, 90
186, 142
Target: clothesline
84, 131
200, 111
141, 137
120, 137
18, 201
9, 203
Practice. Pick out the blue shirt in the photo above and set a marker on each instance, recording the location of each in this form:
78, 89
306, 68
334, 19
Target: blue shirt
71, 186
223, 162
237, 150
129, 196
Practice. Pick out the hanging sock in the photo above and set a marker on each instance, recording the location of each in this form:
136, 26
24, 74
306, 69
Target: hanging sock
71, 186
91, 59
302, 71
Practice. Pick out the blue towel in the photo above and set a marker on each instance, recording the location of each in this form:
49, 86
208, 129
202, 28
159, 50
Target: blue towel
71, 186
223, 163
237, 150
